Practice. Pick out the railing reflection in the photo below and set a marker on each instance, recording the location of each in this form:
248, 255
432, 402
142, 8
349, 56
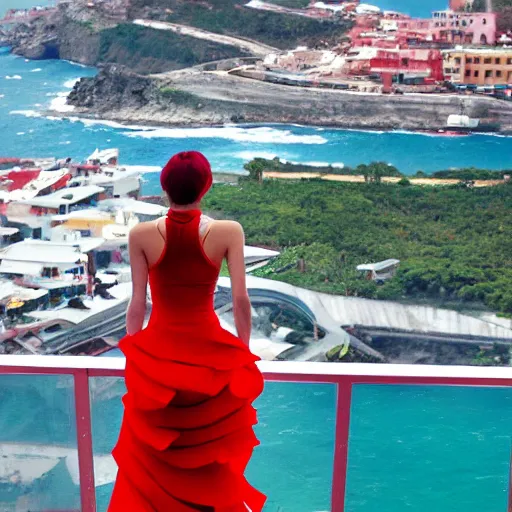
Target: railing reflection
399, 438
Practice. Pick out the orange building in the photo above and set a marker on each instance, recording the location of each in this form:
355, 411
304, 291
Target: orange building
478, 66
460, 5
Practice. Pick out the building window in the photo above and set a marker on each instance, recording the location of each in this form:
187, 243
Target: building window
497, 61
405, 61
477, 60
509, 62
471, 21
469, 60
484, 21
464, 23
468, 72
509, 76
498, 73
457, 60
488, 73
476, 73
487, 60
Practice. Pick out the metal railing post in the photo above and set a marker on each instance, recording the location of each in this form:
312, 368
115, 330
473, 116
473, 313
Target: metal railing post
509, 509
84, 441
339, 481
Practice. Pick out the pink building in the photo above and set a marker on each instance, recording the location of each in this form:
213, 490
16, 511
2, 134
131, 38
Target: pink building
452, 27
465, 27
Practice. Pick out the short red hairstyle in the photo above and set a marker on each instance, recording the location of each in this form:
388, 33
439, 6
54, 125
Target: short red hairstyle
187, 177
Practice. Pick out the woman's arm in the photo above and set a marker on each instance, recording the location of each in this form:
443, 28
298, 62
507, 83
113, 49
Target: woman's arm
236, 265
137, 308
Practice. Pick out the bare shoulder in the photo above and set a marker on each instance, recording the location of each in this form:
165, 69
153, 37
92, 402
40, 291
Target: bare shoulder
228, 228
142, 229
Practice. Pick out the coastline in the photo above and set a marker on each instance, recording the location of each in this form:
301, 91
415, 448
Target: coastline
196, 98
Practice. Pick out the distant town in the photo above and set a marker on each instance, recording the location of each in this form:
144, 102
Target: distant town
384, 51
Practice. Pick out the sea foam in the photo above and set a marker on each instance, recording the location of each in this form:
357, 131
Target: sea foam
262, 135
69, 84
59, 103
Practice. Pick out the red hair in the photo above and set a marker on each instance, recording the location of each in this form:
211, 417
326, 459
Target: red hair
187, 177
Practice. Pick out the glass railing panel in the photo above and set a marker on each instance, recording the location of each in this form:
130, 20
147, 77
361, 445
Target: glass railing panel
427, 448
38, 444
106, 416
294, 463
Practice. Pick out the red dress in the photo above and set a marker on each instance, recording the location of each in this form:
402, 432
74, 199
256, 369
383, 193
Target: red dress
187, 433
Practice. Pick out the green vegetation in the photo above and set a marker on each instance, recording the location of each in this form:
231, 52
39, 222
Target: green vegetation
502, 7
372, 172
499, 355
293, 4
455, 243
276, 29
471, 173
158, 50
88, 25
178, 96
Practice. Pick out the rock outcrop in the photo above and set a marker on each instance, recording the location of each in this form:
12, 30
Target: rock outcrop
55, 36
197, 97
114, 88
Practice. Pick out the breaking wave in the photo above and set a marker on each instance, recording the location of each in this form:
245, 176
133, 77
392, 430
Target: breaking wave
69, 84
26, 113
263, 135
59, 103
250, 155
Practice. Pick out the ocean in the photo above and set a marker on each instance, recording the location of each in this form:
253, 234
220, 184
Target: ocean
414, 8
29, 88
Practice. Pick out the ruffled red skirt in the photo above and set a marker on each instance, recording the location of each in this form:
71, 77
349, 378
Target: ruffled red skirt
187, 433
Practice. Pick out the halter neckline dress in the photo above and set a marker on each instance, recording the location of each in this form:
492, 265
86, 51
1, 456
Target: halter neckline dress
187, 432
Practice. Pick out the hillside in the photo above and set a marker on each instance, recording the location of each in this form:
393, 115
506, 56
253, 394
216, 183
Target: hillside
231, 17
147, 50
454, 242
91, 36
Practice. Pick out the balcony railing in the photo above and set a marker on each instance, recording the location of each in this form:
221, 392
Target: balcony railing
344, 437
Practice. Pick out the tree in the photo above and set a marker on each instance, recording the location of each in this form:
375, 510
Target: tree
505, 20
256, 169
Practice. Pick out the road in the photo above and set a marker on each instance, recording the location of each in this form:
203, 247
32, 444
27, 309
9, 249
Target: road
253, 47
386, 179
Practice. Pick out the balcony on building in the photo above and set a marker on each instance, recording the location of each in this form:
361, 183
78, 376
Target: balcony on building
334, 437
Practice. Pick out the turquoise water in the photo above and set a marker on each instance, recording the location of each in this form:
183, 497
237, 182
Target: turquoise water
411, 448
27, 130
415, 8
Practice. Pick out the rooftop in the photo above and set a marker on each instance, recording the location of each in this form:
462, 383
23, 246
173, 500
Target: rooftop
65, 196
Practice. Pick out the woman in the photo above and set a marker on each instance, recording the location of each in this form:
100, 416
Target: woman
187, 432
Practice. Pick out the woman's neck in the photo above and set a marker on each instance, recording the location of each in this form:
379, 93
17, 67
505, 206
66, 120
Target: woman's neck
186, 207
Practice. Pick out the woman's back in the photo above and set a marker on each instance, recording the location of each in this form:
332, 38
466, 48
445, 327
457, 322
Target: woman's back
183, 279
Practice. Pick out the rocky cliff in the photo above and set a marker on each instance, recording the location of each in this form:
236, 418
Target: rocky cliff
198, 97
79, 35
56, 36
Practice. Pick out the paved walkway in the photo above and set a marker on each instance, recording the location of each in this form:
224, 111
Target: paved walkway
360, 179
